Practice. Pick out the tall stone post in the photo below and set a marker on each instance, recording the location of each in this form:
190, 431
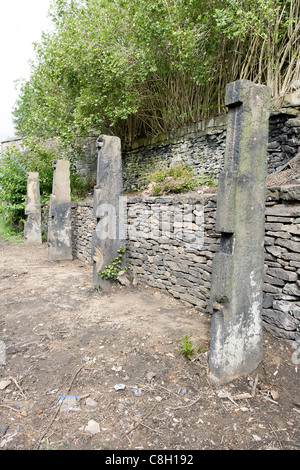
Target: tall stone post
237, 272
109, 235
32, 227
59, 228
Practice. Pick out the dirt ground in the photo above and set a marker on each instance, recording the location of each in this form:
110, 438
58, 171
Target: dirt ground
87, 371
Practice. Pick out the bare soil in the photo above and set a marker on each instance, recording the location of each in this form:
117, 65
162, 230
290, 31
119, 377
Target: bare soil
64, 338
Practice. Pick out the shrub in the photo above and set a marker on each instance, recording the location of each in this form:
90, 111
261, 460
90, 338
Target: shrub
178, 178
13, 186
111, 271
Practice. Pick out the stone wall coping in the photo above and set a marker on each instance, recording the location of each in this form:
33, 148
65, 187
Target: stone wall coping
287, 105
289, 192
186, 198
86, 203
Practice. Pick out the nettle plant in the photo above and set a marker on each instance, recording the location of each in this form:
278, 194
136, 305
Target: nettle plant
112, 270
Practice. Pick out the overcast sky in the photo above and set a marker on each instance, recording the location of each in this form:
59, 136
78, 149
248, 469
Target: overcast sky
21, 24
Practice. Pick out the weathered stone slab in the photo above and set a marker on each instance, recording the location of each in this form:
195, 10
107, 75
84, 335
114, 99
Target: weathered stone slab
280, 319
32, 228
237, 274
60, 229
282, 274
109, 235
289, 244
286, 210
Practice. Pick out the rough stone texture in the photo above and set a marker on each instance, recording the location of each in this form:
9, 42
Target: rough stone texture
281, 307
170, 244
83, 224
59, 228
109, 234
32, 228
237, 275
184, 270
2, 353
202, 145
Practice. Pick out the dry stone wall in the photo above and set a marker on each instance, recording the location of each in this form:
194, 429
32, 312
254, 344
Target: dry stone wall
171, 242
178, 257
202, 146
281, 307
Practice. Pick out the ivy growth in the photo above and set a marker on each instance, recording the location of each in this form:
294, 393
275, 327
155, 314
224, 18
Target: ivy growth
113, 269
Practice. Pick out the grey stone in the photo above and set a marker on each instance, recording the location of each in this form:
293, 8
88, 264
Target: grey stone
289, 244
109, 209
269, 241
237, 276
284, 335
271, 289
291, 289
286, 210
280, 319
295, 310
60, 229
291, 256
267, 301
282, 274
92, 427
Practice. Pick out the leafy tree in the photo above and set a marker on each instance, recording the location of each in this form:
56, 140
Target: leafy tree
14, 166
141, 67
13, 186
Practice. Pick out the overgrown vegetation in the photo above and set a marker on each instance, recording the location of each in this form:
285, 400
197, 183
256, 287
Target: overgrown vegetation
142, 67
208, 180
14, 166
9, 233
177, 178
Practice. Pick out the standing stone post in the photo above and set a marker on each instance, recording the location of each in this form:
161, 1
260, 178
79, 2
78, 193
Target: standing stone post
60, 229
237, 272
32, 227
109, 235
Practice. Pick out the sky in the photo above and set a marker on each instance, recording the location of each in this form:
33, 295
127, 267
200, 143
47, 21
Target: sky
21, 24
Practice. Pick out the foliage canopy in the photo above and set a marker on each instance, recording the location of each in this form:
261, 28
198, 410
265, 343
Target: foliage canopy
140, 67
13, 180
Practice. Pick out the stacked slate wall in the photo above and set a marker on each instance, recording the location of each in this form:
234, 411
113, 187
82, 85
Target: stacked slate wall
177, 256
171, 242
202, 146
281, 312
